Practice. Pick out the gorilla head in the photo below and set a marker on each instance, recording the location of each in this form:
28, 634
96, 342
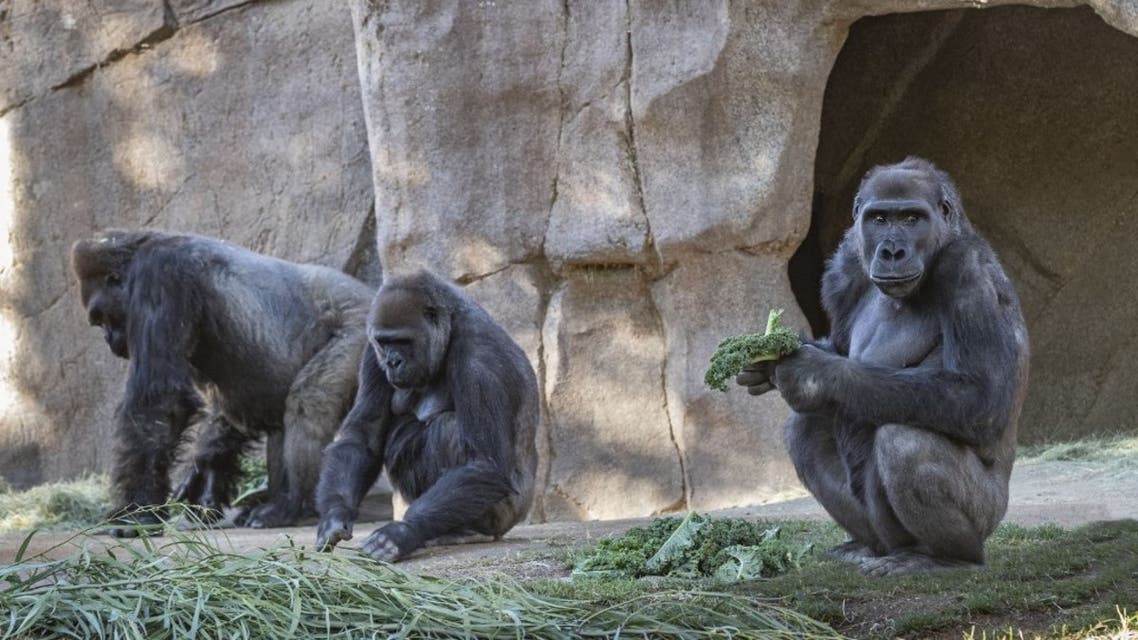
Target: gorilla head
410, 332
903, 215
102, 263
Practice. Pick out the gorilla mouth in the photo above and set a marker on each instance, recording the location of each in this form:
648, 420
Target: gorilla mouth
895, 280
116, 340
899, 286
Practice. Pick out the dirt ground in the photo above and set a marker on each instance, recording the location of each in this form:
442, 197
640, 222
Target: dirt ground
1064, 493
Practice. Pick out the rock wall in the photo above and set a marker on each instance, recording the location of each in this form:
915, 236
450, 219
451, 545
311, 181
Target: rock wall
621, 183
240, 120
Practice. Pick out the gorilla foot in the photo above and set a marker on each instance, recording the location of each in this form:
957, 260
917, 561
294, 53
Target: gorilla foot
852, 551
909, 562
391, 542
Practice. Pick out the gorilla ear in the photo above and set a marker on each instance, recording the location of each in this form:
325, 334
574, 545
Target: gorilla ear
431, 313
857, 204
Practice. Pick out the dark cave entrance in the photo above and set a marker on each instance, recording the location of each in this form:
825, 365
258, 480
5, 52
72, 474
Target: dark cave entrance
1034, 113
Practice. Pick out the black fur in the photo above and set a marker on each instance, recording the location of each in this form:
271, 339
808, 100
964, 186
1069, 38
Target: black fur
448, 406
904, 422
250, 343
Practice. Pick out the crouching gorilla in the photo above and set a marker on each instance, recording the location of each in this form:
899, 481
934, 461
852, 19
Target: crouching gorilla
251, 344
448, 405
904, 419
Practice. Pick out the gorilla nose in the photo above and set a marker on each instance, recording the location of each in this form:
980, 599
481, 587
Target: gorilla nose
891, 255
394, 361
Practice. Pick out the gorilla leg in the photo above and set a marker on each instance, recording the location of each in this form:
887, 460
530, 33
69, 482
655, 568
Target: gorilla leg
318, 397
146, 441
449, 492
215, 469
935, 501
814, 451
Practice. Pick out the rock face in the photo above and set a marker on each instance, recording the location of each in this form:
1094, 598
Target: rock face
237, 120
653, 165
622, 184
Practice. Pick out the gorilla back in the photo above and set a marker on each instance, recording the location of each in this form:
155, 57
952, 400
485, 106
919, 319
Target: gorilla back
253, 344
904, 421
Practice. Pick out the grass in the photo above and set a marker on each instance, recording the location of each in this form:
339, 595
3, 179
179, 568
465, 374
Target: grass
74, 505
1119, 452
1036, 581
187, 587
56, 506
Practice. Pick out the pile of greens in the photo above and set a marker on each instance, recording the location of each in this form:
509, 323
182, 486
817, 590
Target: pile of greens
725, 549
736, 352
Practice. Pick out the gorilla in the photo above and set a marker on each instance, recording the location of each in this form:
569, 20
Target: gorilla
904, 418
448, 405
246, 343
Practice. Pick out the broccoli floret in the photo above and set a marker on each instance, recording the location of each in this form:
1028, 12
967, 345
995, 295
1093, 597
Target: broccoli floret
737, 352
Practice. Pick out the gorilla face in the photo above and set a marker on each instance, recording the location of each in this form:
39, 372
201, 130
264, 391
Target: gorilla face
409, 335
104, 295
901, 224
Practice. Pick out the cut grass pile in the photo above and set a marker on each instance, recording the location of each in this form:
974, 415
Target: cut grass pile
75, 505
1116, 452
190, 588
56, 506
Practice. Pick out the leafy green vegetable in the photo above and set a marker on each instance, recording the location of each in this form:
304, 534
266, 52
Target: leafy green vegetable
736, 352
726, 549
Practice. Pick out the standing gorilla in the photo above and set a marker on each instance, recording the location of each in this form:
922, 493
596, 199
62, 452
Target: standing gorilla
449, 406
904, 422
271, 345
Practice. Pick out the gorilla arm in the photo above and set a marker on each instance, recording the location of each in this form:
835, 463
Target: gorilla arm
966, 390
160, 399
353, 461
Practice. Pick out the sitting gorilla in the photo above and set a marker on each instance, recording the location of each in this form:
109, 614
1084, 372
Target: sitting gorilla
904, 421
449, 406
252, 344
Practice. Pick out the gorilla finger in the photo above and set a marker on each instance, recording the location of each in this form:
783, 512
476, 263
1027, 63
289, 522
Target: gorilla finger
332, 533
760, 389
749, 378
381, 548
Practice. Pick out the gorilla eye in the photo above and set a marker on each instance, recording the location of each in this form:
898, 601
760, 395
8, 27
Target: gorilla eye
911, 219
878, 218
113, 280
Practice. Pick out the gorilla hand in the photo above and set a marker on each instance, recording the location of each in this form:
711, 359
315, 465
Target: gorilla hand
757, 377
804, 376
393, 541
334, 528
